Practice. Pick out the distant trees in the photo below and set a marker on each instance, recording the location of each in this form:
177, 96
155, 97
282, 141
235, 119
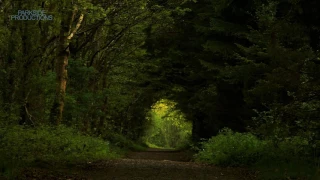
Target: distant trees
167, 126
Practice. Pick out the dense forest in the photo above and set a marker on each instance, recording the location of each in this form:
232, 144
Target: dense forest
91, 81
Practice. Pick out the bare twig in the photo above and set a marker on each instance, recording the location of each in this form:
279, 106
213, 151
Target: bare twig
26, 109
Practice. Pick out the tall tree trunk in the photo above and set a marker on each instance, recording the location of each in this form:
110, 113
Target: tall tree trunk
9, 91
66, 34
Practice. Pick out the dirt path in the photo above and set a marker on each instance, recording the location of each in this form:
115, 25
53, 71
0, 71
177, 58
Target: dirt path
162, 155
154, 164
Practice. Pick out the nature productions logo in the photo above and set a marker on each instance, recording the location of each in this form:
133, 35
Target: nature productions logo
31, 15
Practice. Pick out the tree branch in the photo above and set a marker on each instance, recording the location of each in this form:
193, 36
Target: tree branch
77, 27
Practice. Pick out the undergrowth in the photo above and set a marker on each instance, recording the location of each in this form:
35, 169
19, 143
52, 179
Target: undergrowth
23, 146
290, 158
123, 142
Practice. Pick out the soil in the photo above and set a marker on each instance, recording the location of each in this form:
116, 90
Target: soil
153, 164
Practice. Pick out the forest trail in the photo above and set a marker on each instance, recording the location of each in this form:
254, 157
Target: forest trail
153, 164
161, 155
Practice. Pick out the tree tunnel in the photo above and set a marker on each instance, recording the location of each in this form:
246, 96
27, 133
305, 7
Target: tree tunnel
181, 115
210, 108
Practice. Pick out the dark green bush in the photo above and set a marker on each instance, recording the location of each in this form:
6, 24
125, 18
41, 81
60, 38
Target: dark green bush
231, 149
289, 158
20, 146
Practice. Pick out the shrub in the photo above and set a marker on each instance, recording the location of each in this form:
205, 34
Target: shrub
288, 158
231, 149
23, 145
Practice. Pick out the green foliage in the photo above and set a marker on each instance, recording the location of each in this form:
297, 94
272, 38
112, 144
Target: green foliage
122, 142
168, 127
218, 59
231, 149
292, 157
21, 146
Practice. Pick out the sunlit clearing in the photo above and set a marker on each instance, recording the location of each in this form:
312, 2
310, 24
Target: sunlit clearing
168, 127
